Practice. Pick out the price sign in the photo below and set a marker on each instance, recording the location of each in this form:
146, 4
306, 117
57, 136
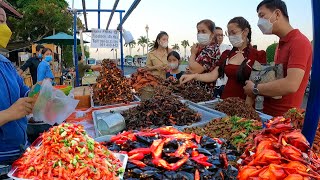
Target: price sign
102, 38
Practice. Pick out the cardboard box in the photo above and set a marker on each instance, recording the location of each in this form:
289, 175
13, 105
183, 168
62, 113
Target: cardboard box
83, 94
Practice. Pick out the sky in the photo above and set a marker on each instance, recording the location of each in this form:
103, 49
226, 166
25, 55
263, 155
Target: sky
179, 18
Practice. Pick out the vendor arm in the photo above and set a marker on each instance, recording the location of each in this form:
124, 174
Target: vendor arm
194, 66
25, 66
18, 110
96, 67
207, 77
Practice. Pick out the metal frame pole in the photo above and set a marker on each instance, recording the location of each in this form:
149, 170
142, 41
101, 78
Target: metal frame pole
99, 8
75, 55
313, 108
121, 44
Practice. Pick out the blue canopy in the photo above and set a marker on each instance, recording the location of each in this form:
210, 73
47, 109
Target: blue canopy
59, 39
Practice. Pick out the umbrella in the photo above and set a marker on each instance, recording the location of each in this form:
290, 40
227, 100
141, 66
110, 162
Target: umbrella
59, 39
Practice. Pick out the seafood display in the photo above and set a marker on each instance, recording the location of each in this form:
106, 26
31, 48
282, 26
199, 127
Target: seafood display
67, 152
297, 119
143, 78
235, 106
279, 152
166, 153
234, 129
111, 87
193, 90
161, 110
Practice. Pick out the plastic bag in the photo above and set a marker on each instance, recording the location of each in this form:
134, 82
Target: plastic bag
52, 105
127, 36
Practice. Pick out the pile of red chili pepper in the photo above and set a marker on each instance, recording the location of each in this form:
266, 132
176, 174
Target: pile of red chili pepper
143, 78
111, 87
193, 90
297, 118
67, 152
166, 153
161, 110
279, 152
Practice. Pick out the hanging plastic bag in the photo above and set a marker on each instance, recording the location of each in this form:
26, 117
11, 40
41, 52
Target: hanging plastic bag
52, 105
127, 36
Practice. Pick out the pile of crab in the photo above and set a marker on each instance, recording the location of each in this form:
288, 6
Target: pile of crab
166, 153
279, 152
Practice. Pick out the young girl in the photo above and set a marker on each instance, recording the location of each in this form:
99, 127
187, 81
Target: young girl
173, 65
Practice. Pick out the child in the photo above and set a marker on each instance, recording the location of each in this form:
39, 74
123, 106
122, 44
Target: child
173, 65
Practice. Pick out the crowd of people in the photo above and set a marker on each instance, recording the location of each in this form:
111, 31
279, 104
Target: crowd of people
210, 62
229, 68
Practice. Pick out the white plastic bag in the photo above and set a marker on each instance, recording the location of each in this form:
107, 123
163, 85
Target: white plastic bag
127, 36
52, 105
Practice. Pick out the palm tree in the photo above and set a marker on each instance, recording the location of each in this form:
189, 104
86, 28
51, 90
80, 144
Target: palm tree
131, 45
151, 45
176, 47
185, 44
143, 41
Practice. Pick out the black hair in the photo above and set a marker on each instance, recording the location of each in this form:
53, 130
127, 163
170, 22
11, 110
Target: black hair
175, 54
39, 47
44, 50
210, 24
243, 24
255, 47
219, 28
273, 5
159, 36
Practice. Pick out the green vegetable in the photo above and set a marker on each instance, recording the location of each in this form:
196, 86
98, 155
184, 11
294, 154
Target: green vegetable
91, 155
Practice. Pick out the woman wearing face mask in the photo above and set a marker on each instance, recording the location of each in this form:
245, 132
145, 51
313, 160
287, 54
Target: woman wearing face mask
236, 63
174, 62
206, 52
14, 103
157, 59
44, 70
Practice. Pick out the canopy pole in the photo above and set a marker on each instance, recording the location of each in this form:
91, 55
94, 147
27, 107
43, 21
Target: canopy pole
116, 2
121, 44
313, 108
75, 55
99, 8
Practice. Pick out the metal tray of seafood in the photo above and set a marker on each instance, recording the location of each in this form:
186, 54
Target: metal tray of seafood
100, 114
207, 114
122, 157
136, 99
212, 104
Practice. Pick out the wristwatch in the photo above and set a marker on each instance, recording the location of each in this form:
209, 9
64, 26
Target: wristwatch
255, 89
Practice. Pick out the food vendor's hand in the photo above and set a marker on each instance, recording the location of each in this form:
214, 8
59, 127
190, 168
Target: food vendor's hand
187, 77
195, 49
21, 108
248, 88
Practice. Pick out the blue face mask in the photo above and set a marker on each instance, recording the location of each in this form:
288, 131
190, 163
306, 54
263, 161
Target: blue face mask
48, 58
40, 56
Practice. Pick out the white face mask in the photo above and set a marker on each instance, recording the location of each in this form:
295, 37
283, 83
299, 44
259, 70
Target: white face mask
265, 25
236, 40
164, 44
204, 39
173, 65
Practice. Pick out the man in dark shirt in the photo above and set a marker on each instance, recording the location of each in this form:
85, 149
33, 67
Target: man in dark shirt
32, 63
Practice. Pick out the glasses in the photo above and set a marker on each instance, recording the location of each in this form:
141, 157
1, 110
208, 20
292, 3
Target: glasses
232, 33
220, 35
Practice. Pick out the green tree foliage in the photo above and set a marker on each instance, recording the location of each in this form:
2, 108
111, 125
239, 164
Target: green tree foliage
40, 18
185, 44
271, 50
143, 42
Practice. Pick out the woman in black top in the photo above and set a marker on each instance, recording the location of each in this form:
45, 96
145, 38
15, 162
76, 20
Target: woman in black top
173, 65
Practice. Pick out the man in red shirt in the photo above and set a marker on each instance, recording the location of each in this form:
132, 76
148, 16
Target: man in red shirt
294, 52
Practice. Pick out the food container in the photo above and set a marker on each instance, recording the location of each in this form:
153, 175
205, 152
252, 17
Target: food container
136, 99
117, 124
212, 104
206, 116
122, 157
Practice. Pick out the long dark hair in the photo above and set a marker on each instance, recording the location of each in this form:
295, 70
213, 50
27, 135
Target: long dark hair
241, 77
159, 36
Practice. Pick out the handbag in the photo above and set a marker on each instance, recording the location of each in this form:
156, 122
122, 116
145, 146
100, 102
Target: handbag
266, 73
